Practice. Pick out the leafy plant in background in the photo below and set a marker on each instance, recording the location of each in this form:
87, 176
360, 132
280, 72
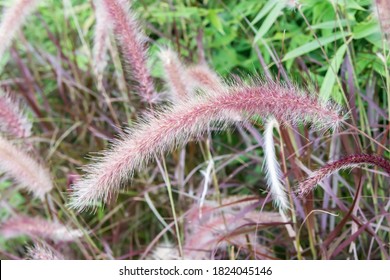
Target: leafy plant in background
180, 98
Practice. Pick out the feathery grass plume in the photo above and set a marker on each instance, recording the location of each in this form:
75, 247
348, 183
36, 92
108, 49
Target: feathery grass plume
383, 11
202, 77
175, 75
225, 225
42, 252
133, 47
188, 120
38, 228
13, 19
164, 251
351, 161
24, 170
12, 120
273, 171
101, 38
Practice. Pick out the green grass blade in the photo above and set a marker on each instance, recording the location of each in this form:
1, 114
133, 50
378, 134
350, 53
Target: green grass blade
269, 20
331, 73
332, 24
265, 10
313, 45
366, 29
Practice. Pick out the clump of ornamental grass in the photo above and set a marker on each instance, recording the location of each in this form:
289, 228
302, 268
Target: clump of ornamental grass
190, 115
184, 121
12, 21
25, 170
36, 227
348, 162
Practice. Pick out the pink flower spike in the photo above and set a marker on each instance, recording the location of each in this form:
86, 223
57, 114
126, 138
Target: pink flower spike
12, 121
202, 77
13, 19
175, 75
351, 161
24, 170
132, 43
101, 38
43, 252
188, 120
220, 226
38, 228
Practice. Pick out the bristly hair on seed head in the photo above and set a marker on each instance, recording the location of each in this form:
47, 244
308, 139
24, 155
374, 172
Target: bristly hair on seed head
103, 27
133, 47
24, 170
348, 162
13, 122
12, 20
41, 251
175, 75
272, 167
37, 227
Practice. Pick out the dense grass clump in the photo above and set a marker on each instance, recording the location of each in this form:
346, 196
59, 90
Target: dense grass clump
197, 130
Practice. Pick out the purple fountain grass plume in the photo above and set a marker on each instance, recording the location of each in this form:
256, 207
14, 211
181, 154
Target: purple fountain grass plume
202, 77
38, 228
132, 44
13, 19
101, 39
12, 120
175, 75
220, 226
215, 230
43, 252
383, 11
273, 171
24, 170
164, 251
188, 120
351, 161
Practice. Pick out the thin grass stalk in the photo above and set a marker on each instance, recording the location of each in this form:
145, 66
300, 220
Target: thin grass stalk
172, 202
